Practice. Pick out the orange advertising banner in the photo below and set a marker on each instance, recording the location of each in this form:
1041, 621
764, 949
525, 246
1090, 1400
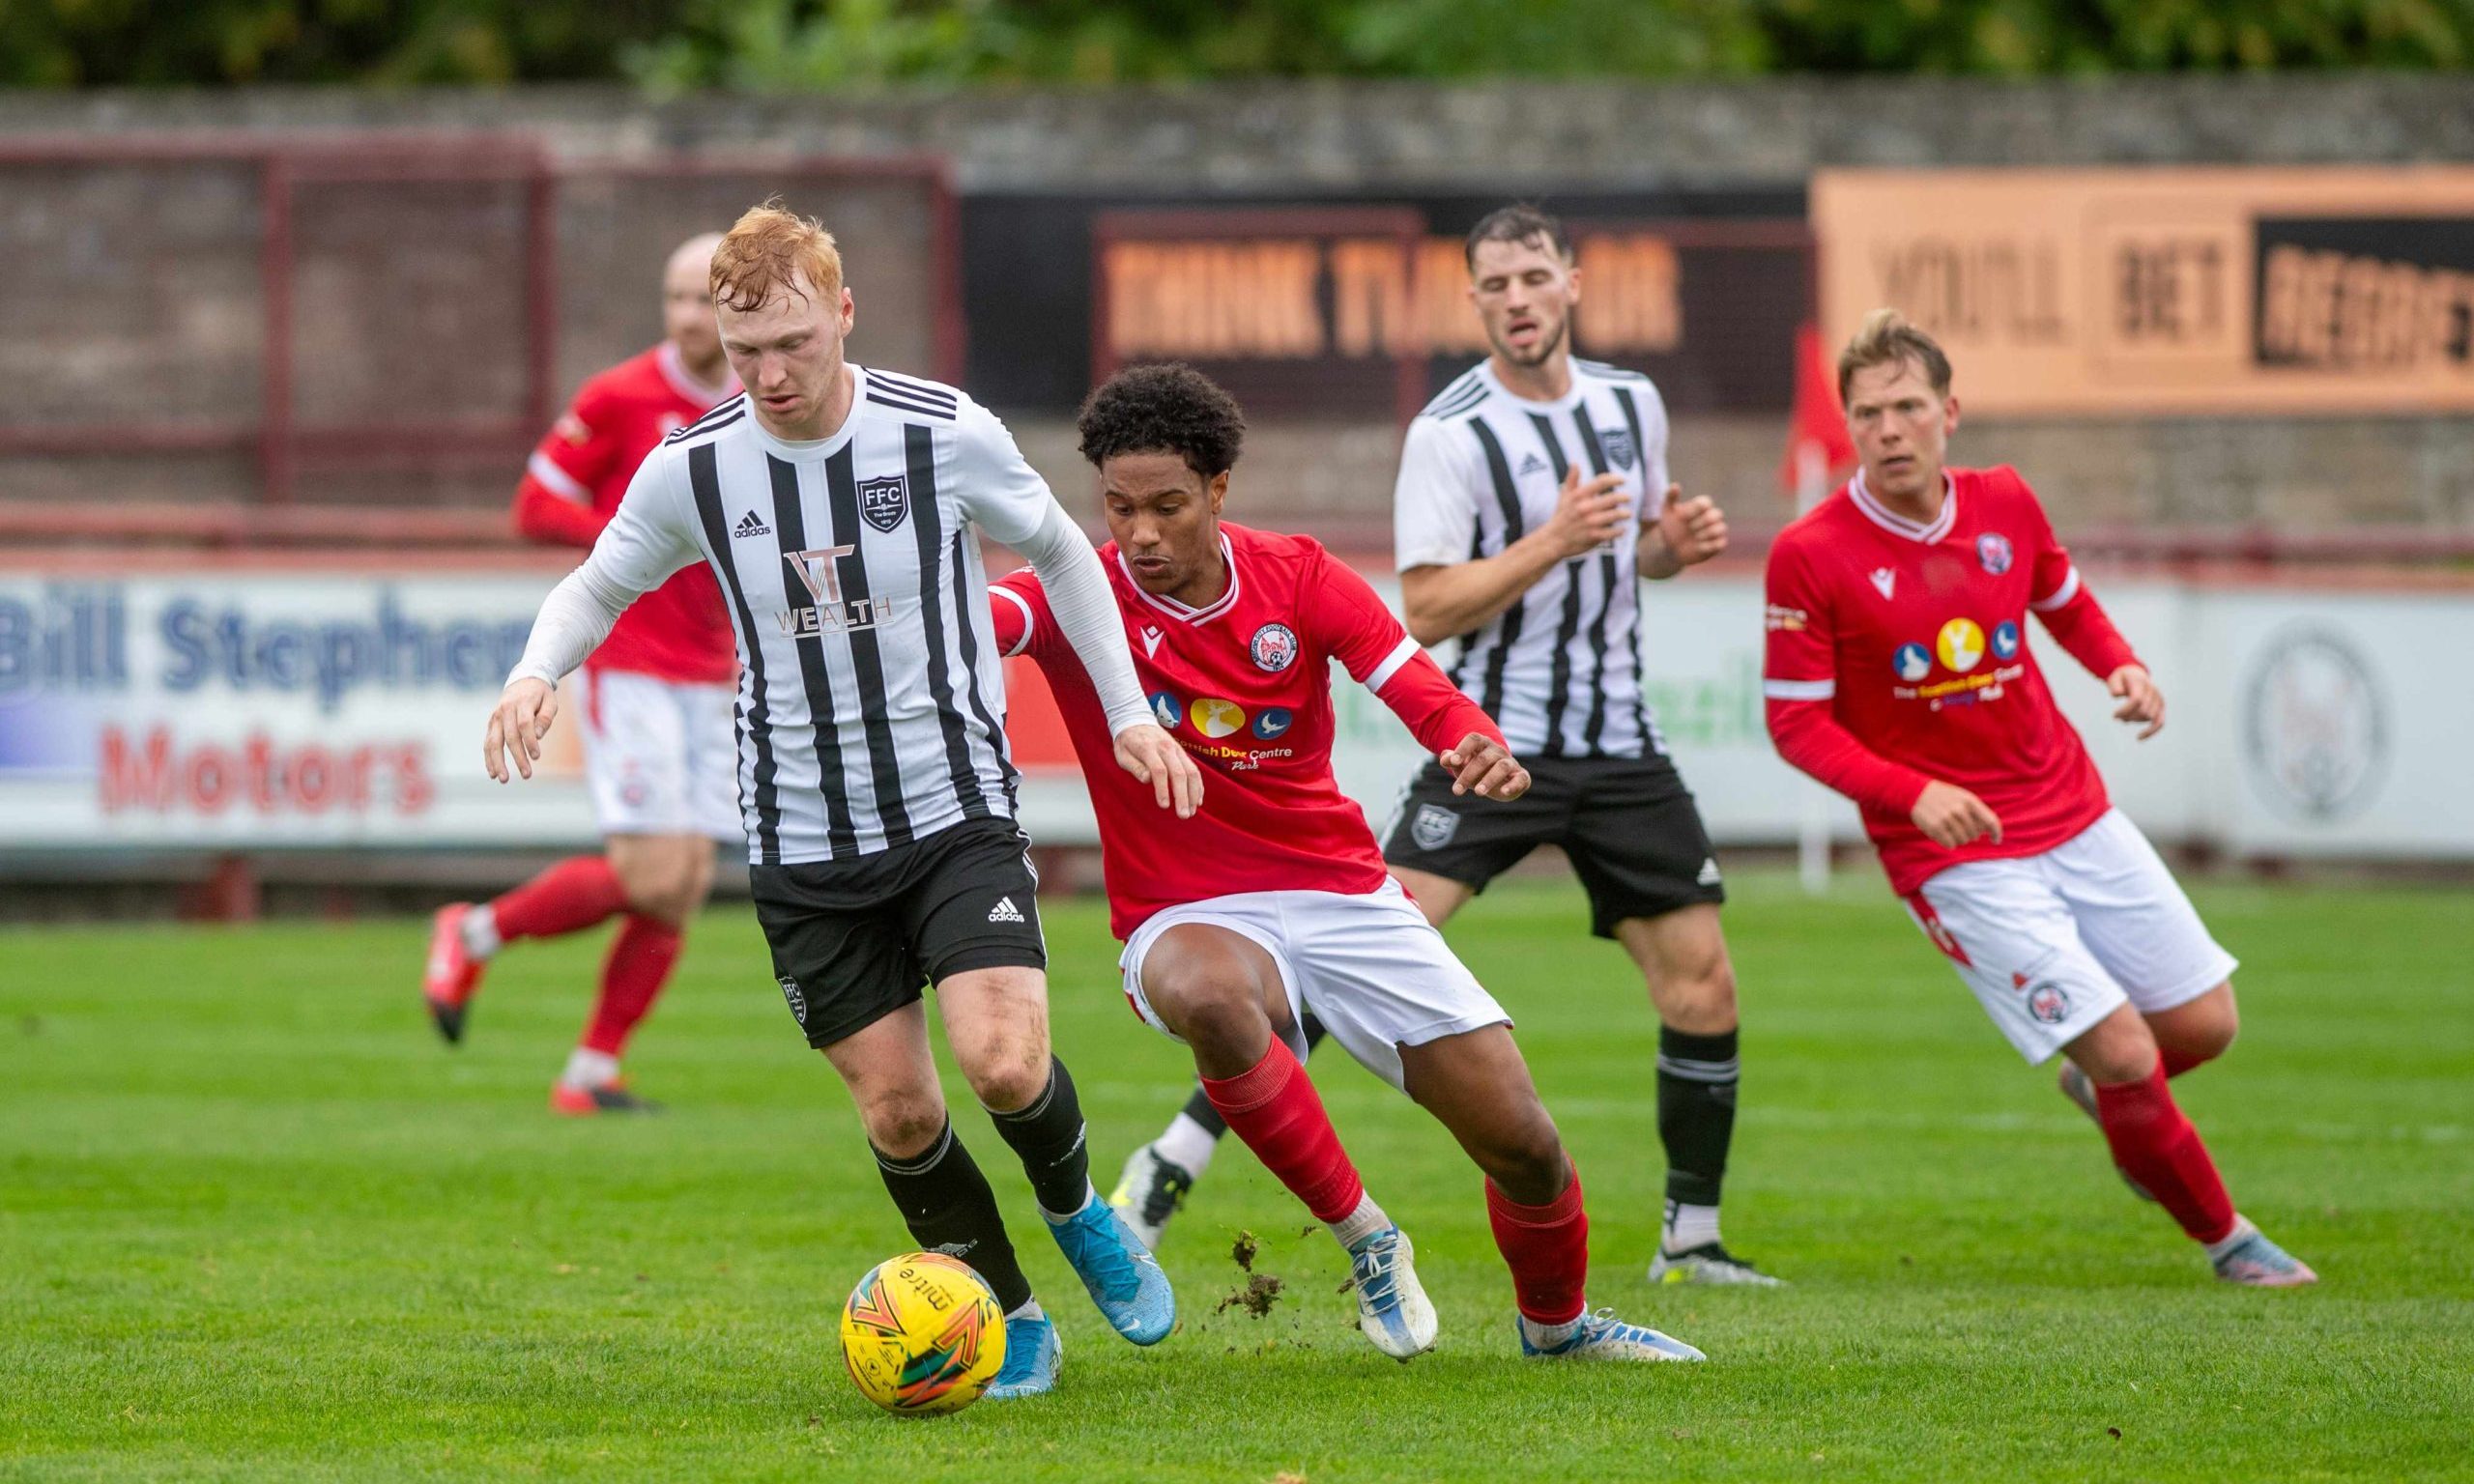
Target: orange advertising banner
2168, 292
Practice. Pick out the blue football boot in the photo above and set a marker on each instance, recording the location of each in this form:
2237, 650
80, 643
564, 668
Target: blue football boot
1125, 1280
1032, 1352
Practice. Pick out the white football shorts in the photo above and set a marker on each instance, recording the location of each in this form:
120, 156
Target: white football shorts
2053, 943
1370, 967
661, 758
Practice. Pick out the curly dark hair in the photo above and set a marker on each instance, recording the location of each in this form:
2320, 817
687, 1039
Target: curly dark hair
1168, 407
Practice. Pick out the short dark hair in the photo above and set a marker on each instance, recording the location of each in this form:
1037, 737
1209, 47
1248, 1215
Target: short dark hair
1163, 408
1518, 222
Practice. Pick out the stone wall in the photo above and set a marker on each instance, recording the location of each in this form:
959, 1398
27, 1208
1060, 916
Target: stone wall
1327, 139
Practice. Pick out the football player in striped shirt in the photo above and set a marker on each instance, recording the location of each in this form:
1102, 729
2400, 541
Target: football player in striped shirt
839, 507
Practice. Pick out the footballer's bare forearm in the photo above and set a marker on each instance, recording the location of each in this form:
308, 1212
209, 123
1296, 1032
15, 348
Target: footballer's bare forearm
1446, 602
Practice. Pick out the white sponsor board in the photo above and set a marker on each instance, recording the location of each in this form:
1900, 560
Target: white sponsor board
249, 709
243, 709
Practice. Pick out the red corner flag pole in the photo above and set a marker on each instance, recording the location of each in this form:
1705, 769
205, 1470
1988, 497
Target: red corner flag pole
1818, 453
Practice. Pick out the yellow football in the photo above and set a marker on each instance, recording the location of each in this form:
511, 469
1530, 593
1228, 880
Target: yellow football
922, 1333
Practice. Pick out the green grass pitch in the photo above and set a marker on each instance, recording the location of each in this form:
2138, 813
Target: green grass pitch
256, 1224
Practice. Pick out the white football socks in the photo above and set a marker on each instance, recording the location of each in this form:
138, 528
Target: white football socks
1549, 1336
481, 931
589, 1069
1688, 1227
1030, 1309
1360, 1224
1186, 1143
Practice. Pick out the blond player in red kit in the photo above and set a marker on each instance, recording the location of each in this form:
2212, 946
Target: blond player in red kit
1898, 672
660, 756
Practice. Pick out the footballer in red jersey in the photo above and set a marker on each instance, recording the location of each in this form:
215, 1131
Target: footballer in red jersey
1898, 672
1271, 902
660, 757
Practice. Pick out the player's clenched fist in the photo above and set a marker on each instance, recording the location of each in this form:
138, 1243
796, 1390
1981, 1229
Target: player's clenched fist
1588, 516
525, 710
1153, 758
1696, 529
1950, 816
1484, 766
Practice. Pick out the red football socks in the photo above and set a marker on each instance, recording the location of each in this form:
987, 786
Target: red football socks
2177, 1062
568, 897
638, 965
1546, 1248
2154, 1144
1275, 1111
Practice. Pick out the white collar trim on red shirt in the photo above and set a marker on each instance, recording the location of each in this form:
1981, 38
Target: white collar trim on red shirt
1180, 611
673, 370
1900, 525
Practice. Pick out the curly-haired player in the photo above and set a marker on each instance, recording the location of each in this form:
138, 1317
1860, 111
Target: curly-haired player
1270, 901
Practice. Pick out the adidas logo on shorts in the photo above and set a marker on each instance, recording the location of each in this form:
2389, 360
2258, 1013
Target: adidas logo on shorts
1004, 911
750, 526
1708, 873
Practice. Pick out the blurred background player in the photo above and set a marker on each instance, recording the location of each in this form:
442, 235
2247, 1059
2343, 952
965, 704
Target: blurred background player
657, 747
1531, 498
1898, 673
1272, 898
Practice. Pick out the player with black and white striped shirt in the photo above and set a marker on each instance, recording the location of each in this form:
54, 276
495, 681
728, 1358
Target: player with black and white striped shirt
838, 506
1533, 496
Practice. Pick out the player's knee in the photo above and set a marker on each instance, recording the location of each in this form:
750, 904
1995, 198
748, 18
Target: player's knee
904, 1123
1214, 1014
1701, 1001
2210, 1033
2119, 1049
1008, 1074
1530, 1164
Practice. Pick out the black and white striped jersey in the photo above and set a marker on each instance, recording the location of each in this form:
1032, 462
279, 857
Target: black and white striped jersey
1559, 670
871, 692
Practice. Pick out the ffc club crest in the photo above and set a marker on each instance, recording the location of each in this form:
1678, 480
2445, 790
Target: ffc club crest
1274, 647
1433, 826
884, 503
1618, 444
1994, 551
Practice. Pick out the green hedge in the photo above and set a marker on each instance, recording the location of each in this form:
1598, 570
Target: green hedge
794, 44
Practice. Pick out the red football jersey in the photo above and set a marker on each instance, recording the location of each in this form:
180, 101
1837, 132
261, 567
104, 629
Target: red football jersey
1244, 683
1898, 655
572, 484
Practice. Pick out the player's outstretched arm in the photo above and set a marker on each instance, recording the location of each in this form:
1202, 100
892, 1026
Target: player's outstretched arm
641, 546
1086, 615
1684, 533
